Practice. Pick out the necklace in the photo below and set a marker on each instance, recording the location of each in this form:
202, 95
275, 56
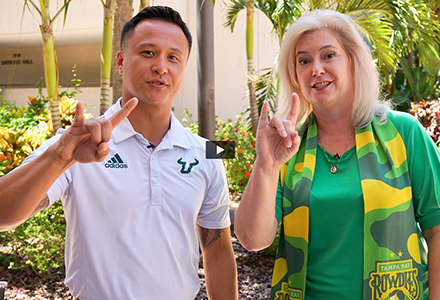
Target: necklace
334, 168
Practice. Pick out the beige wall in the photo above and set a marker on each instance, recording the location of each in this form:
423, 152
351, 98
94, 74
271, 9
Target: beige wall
78, 43
89, 95
30, 67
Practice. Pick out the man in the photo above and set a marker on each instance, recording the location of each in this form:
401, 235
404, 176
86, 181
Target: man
134, 183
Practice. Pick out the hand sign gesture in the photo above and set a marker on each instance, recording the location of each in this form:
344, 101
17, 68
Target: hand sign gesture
86, 141
277, 141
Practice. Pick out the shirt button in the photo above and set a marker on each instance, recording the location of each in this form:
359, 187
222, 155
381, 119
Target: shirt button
154, 180
153, 157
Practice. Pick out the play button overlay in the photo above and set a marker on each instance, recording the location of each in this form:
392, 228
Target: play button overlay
220, 149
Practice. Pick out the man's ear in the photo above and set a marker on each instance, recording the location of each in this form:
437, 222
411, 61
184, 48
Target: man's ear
120, 61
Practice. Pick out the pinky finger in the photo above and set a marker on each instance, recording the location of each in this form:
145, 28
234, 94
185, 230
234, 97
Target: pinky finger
79, 114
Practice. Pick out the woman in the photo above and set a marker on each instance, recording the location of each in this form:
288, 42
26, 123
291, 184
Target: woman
352, 188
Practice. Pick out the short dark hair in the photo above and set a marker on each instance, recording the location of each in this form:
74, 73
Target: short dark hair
158, 13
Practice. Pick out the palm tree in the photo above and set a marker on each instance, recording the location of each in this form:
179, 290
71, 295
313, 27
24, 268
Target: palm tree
123, 13
106, 53
205, 78
391, 28
231, 19
416, 40
49, 55
281, 14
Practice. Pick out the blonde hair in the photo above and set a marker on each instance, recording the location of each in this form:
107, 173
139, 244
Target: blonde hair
366, 102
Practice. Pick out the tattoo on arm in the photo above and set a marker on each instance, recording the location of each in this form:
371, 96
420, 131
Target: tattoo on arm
208, 236
42, 205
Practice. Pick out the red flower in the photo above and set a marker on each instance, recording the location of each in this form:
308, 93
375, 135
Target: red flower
248, 165
247, 174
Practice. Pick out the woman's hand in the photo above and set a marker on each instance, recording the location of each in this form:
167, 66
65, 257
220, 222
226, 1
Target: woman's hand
277, 141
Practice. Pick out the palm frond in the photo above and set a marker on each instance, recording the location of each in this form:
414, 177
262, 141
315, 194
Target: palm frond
266, 88
378, 33
64, 10
321, 4
232, 12
416, 29
26, 5
281, 13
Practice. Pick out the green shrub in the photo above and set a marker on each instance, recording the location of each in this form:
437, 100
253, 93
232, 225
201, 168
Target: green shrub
23, 129
37, 244
238, 170
428, 114
18, 118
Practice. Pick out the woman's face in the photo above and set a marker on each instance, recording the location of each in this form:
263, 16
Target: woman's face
324, 70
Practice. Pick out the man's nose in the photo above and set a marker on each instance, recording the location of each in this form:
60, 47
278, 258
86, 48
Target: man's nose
159, 66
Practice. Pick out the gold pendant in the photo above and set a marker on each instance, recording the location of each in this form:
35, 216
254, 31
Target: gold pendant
333, 169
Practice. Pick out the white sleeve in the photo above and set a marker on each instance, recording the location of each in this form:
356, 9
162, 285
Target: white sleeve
214, 213
60, 186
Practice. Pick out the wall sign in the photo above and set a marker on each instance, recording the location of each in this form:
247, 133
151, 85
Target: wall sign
16, 60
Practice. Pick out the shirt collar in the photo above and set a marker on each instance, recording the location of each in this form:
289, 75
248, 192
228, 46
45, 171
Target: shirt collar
175, 136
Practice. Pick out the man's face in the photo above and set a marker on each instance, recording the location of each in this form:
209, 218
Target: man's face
153, 63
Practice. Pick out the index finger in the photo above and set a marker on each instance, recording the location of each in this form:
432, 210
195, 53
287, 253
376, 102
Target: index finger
123, 113
293, 112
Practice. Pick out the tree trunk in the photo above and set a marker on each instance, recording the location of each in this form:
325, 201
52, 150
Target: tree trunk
123, 13
250, 65
50, 65
143, 4
206, 93
107, 55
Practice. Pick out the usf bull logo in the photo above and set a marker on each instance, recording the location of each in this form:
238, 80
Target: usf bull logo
185, 169
395, 280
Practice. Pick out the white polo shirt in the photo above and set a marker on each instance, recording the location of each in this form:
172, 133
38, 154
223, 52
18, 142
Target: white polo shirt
131, 219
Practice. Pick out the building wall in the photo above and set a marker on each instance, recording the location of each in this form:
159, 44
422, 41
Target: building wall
78, 44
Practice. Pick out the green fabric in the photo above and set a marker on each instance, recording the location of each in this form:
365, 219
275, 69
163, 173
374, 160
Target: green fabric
336, 209
386, 186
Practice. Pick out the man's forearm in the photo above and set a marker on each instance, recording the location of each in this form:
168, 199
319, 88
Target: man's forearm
221, 278
23, 192
219, 263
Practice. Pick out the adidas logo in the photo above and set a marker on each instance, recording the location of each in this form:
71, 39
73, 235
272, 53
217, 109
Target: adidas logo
116, 162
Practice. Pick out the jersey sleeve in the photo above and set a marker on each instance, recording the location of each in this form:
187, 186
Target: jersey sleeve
214, 213
424, 168
61, 185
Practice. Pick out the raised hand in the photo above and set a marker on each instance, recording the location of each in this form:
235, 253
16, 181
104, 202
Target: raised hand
86, 141
277, 141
